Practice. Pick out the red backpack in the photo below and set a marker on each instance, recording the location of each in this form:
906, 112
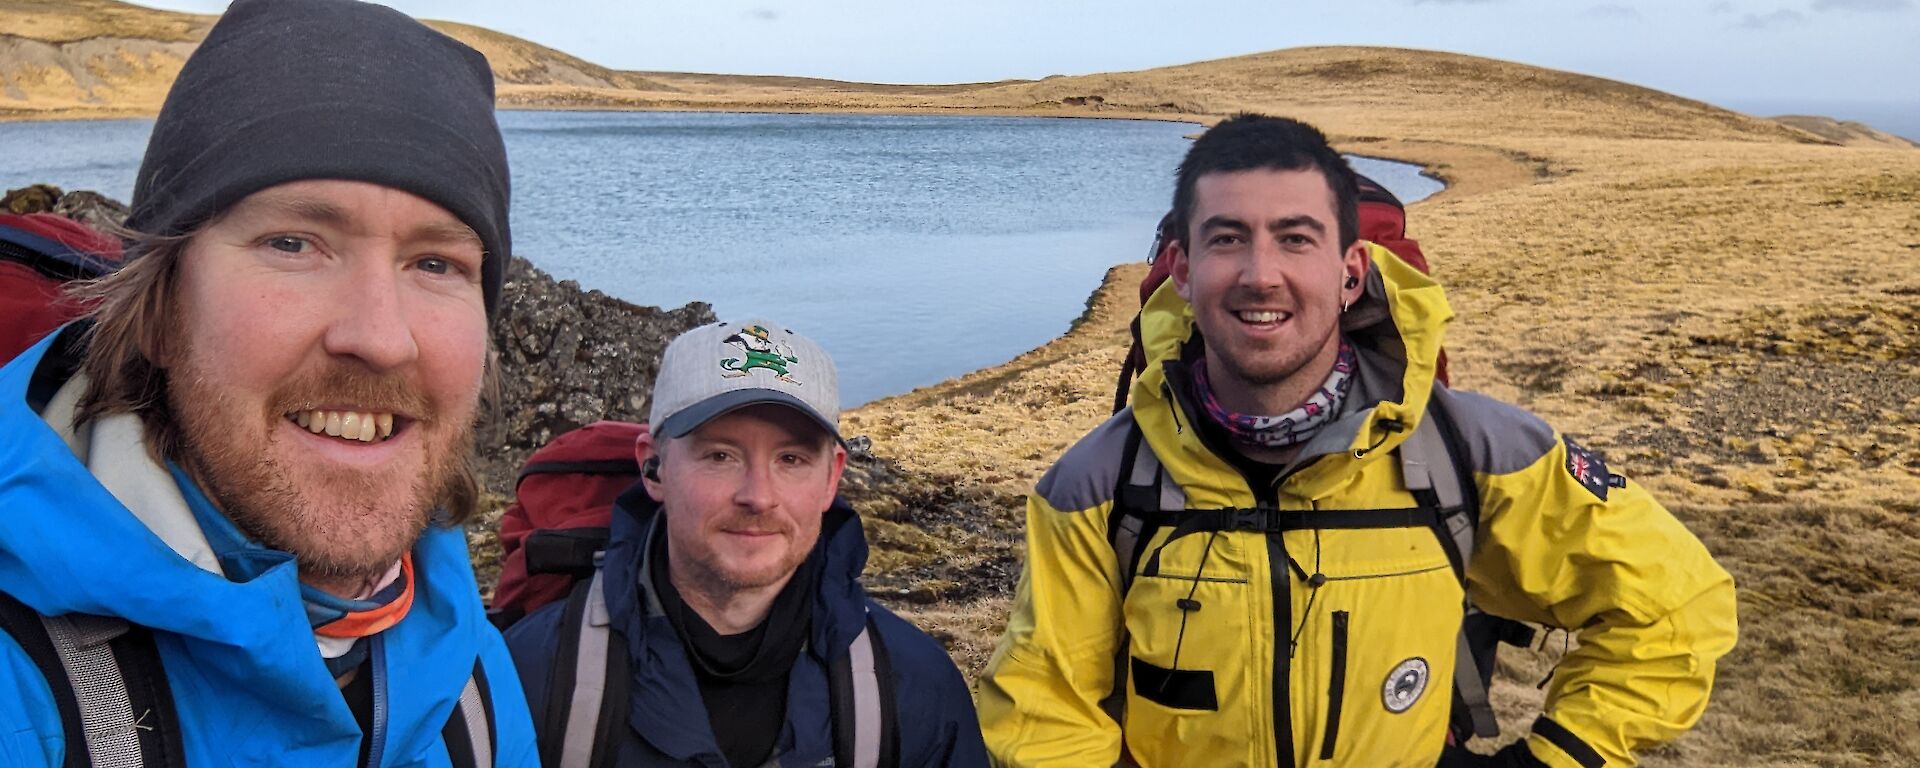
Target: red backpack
39, 254
1383, 221
563, 504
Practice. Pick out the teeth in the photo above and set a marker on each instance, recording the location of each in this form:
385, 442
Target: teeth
361, 426
1260, 317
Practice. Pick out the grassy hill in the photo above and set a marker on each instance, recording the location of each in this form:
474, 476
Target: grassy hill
1722, 304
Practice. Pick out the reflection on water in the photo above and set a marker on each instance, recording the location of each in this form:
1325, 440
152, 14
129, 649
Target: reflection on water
913, 248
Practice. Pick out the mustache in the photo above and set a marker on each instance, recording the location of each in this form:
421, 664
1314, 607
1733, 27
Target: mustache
1246, 295
344, 386
752, 522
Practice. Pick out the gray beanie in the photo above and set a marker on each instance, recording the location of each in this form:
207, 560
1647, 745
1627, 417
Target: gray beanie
286, 90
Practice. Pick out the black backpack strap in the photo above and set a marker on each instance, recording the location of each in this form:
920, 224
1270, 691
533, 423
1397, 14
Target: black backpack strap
470, 733
587, 686
626, 466
115, 707
570, 551
866, 731
1129, 366
50, 257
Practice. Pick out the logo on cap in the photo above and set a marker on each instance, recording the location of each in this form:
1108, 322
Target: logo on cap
760, 352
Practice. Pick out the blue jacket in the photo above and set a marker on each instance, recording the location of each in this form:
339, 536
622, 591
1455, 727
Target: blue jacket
669, 726
248, 684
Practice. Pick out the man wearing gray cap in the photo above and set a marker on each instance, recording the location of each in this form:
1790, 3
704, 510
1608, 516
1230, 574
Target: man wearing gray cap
726, 624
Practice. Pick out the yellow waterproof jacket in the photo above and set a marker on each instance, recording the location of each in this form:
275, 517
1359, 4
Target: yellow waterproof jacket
1372, 615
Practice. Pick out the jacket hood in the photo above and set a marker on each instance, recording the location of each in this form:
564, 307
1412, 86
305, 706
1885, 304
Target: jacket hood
1396, 327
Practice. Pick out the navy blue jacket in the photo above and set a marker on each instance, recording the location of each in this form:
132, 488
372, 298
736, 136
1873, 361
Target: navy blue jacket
667, 721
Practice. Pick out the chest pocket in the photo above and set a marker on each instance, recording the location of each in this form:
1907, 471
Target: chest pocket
1377, 617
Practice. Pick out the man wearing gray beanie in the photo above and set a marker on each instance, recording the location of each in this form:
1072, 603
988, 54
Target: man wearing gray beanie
230, 497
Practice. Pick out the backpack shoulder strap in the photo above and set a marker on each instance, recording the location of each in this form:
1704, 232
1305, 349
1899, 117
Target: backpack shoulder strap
866, 729
1142, 503
114, 703
23, 625
1435, 463
587, 686
469, 733
49, 257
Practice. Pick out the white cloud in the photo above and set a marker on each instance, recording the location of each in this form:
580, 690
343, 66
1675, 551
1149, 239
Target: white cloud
1778, 18
1613, 11
1862, 5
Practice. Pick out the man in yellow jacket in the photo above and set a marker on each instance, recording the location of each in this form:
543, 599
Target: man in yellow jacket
1296, 601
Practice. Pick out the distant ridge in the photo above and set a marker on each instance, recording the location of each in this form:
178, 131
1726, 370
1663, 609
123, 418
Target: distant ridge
1847, 132
86, 58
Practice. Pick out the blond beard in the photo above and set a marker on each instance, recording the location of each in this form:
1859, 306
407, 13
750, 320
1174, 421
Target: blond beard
348, 528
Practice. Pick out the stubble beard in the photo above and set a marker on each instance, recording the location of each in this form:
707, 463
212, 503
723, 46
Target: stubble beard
342, 526
1263, 370
713, 577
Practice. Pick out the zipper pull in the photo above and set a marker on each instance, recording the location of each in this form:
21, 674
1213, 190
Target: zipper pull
1387, 427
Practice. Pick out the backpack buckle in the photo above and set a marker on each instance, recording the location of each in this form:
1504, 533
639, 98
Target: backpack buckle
1255, 519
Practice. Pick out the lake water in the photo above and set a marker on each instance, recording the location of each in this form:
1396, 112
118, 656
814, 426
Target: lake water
913, 248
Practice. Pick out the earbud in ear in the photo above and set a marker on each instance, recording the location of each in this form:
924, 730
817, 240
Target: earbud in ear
651, 469
1352, 281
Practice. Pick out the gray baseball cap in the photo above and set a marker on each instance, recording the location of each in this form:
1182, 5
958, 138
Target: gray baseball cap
717, 368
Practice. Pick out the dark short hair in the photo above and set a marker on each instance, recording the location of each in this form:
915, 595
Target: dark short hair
1247, 142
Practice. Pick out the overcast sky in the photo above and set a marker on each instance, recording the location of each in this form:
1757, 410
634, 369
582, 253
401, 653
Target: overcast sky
1753, 53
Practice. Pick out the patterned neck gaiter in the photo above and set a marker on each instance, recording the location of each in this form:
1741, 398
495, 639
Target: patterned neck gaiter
1288, 429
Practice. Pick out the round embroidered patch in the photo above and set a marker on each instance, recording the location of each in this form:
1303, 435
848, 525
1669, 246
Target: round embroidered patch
1404, 685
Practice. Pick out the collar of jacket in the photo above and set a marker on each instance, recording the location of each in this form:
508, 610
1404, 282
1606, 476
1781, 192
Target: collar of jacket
663, 678
1396, 326
68, 545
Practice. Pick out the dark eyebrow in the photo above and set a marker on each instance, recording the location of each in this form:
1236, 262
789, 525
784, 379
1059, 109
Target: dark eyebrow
1223, 220
1285, 223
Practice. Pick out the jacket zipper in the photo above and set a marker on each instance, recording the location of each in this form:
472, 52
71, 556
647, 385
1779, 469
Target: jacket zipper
1336, 685
377, 733
1266, 498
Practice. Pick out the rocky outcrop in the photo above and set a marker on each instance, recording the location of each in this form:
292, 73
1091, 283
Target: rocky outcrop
569, 357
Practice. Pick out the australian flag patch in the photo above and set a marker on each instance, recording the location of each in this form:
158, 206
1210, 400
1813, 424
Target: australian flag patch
1587, 469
